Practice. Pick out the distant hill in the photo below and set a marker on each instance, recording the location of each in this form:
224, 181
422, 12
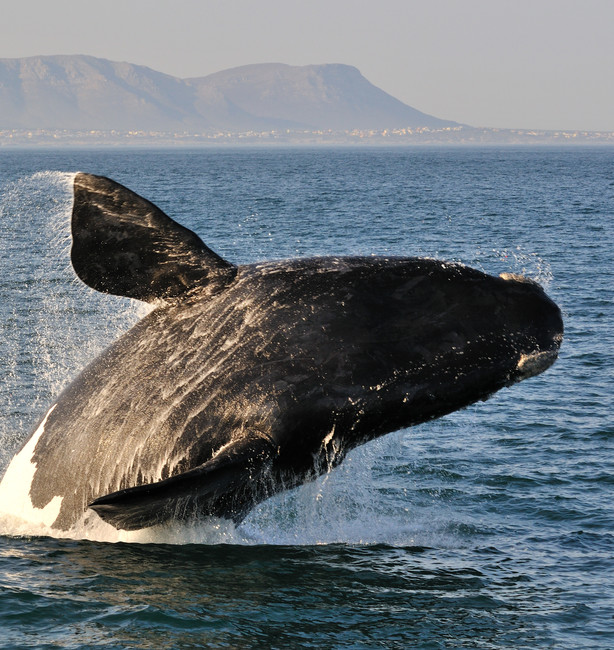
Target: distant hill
83, 92
329, 96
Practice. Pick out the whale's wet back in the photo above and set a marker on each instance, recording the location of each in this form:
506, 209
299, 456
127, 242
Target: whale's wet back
246, 380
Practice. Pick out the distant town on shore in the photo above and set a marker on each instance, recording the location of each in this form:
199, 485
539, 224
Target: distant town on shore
461, 135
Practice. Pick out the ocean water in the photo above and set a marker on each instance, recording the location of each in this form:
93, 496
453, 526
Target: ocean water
490, 528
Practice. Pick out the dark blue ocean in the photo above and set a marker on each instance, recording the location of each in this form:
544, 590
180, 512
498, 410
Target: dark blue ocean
490, 528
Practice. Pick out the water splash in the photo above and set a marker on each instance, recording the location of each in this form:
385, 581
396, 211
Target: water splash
51, 324
529, 264
344, 506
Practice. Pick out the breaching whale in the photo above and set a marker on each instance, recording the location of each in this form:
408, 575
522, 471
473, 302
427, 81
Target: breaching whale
245, 380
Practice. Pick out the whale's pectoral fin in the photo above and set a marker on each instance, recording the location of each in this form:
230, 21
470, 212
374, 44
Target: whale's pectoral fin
226, 486
125, 245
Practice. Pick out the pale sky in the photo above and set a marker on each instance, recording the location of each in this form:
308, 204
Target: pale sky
543, 64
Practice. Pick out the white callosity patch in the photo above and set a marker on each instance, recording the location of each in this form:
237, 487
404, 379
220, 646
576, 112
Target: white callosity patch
533, 364
15, 487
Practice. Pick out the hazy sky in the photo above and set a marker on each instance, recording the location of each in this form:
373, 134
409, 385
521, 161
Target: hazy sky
546, 64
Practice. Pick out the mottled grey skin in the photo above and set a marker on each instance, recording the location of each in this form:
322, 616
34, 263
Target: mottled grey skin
251, 379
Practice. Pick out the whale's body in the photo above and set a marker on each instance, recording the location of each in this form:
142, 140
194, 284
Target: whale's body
246, 380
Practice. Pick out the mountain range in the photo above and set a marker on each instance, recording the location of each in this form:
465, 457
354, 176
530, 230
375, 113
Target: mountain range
76, 92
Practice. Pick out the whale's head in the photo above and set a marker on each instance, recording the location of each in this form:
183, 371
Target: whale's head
463, 335
400, 341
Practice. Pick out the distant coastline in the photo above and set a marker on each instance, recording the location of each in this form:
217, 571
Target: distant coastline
408, 137
84, 101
